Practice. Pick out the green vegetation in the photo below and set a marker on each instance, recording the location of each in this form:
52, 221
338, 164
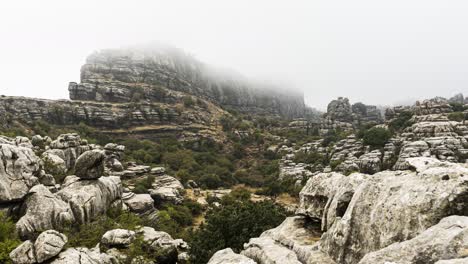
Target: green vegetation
376, 137
143, 185
232, 225
457, 116
401, 122
188, 101
8, 238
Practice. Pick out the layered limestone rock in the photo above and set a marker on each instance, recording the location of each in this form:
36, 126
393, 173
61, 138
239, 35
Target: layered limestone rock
90, 165
84, 256
139, 203
164, 74
89, 199
19, 169
166, 189
293, 242
446, 240
47, 245
228, 256
42, 210
118, 238
67, 147
392, 207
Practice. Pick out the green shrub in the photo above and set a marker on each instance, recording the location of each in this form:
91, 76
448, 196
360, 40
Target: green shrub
401, 122
232, 225
376, 137
8, 238
143, 185
188, 101
457, 116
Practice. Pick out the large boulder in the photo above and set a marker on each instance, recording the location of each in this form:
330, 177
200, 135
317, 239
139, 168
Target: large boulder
228, 256
294, 241
89, 199
326, 196
90, 165
139, 203
69, 147
118, 238
24, 253
54, 164
49, 244
19, 167
394, 206
167, 189
84, 256
444, 241
42, 210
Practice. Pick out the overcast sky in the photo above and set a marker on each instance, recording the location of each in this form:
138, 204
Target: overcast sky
379, 52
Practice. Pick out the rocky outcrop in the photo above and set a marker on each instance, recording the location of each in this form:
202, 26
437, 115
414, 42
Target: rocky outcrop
47, 245
84, 256
392, 207
118, 238
166, 189
89, 199
90, 165
19, 168
228, 256
139, 203
163, 74
446, 240
42, 210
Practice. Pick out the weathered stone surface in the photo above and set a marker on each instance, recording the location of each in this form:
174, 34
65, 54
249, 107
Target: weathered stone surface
139, 203
446, 240
159, 240
228, 256
19, 167
24, 253
453, 261
392, 207
118, 238
167, 189
54, 164
84, 256
42, 210
89, 199
370, 162
340, 110
49, 244
326, 196
90, 165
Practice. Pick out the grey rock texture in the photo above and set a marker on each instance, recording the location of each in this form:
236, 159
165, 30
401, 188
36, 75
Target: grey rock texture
139, 203
392, 207
42, 210
89, 199
446, 240
49, 244
167, 189
90, 164
19, 168
228, 256
118, 238
84, 256
24, 253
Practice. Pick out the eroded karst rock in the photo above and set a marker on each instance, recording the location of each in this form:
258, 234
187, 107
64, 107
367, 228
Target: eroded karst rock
90, 164
228, 256
166, 188
118, 238
19, 168
446, 240
42, 210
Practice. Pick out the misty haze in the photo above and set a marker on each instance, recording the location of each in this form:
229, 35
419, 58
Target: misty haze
234, 132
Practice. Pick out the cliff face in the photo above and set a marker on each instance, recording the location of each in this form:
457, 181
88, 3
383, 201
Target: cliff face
159, 75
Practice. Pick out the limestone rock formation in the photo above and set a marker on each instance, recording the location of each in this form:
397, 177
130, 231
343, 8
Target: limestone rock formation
19, 168
446, 240
139, 203
392, 207
166, 188
90, 164
228, 256
118, 238
340, 110
47, 245
84, 256
89, 199
42, 210
163, 73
